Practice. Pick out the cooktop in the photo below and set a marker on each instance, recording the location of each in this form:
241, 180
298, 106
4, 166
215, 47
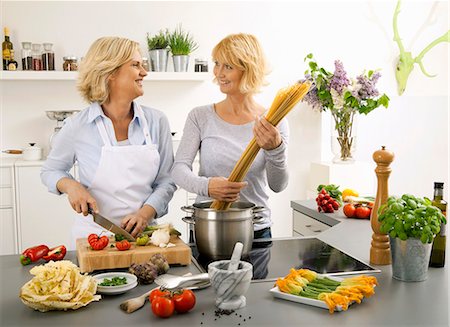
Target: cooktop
272, 258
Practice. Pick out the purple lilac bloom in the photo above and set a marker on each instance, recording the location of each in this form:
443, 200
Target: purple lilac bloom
312, 98
367, 88
339, 80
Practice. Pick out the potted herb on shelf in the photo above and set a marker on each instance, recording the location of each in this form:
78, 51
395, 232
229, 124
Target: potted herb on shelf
411, 223
158, 50
181, 44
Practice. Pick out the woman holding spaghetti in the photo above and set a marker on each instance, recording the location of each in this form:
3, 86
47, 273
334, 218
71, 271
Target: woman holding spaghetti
220, 132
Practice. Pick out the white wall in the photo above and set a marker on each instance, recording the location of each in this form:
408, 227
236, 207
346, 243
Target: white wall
415, 126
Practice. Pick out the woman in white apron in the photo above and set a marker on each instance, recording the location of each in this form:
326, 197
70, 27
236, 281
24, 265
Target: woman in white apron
123, 151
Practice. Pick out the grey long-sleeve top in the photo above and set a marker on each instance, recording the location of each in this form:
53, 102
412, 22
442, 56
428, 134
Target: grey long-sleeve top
220, 145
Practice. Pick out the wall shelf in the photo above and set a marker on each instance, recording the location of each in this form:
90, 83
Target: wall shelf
71, 76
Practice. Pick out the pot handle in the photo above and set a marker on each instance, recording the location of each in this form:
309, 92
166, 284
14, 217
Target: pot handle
189, 220
258, 219
258, 209
188, 209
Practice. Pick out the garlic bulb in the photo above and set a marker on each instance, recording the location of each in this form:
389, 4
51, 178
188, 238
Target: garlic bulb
160, 237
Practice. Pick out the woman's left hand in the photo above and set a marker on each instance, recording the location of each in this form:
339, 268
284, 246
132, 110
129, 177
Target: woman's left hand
267, 136
135, 223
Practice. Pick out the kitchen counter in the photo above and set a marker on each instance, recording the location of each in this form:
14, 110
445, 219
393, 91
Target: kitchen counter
395, 303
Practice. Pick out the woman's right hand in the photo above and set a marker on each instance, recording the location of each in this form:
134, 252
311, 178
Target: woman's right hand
219, 188
79, 197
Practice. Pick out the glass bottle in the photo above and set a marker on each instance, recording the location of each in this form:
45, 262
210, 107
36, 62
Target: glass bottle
27, 60
437, 258
36, 54
7, 46
12, 64
48, 57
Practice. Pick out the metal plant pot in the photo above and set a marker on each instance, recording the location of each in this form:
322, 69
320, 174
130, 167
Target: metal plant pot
410, 259
159, 59
180, 63
217, 231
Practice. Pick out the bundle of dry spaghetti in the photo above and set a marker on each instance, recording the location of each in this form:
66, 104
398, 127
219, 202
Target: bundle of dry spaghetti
283, 103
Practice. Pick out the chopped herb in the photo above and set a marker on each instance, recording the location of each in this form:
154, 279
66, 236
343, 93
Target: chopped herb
115, 281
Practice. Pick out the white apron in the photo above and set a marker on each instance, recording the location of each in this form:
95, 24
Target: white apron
122, 181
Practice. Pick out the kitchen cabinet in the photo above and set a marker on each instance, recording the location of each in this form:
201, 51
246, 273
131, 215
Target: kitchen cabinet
8, 226
309, 222
42, 217
306, 226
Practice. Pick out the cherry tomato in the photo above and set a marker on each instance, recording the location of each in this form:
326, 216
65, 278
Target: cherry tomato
362, 212
163, 306
158, 293
184, 301
349, 210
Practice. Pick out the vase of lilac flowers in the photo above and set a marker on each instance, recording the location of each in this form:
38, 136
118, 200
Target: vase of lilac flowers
344, 98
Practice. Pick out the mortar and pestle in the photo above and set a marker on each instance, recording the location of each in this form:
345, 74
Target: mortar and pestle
231, 280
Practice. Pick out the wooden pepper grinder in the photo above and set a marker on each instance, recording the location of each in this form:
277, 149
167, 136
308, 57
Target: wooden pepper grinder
380, 253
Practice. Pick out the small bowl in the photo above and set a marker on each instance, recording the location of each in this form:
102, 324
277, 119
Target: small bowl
112, 290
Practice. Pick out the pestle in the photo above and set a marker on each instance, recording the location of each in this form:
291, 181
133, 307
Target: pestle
236, 256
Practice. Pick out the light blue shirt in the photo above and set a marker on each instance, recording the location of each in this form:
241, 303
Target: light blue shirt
79, 141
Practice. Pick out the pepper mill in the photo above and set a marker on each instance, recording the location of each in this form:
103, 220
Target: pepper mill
380, 253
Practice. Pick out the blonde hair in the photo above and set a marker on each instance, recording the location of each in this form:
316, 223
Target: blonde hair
104, 58
244, 52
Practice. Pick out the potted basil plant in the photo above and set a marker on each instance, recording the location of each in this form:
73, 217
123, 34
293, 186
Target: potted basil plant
181, 44
158, 50
411, 223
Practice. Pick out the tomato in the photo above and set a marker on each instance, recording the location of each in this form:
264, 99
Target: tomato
163, 306
157, 293
362, 212
96, 242
123, 245
184, 301
349, 210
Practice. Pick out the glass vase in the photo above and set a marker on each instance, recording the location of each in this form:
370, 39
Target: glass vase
343, 135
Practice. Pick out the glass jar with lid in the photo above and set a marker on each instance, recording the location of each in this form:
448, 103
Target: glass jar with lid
27, 60
36, 55
70, 63
48, 57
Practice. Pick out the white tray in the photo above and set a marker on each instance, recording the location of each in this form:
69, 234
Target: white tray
304, 300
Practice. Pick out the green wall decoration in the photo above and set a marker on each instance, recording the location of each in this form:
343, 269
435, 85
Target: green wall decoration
405, 63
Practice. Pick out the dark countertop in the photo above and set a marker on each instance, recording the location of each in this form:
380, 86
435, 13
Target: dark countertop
395, 303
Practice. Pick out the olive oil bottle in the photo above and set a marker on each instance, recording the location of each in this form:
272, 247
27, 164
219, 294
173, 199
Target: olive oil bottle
437, 258
7, 46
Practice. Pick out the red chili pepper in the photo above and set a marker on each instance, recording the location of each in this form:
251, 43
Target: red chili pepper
96, 242
123, 245
55, 254
33, 254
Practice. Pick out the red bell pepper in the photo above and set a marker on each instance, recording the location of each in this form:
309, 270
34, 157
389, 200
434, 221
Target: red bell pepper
55, 254
33, 254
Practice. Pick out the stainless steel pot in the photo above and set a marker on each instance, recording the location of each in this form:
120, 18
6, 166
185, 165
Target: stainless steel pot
216, 231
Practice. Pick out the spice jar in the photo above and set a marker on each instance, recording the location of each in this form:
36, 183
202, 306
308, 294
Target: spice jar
145, 64
27, 60
48, 57
70, 63
36, 55
201, 65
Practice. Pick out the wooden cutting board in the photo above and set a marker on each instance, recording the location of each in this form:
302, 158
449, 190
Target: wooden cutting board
111, 258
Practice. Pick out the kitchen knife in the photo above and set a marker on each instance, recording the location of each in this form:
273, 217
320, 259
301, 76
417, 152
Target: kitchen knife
110, 226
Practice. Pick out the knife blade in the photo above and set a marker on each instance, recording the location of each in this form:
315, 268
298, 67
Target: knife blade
110, 226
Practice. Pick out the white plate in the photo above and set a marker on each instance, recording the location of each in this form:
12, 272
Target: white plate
304, 300
131, 283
